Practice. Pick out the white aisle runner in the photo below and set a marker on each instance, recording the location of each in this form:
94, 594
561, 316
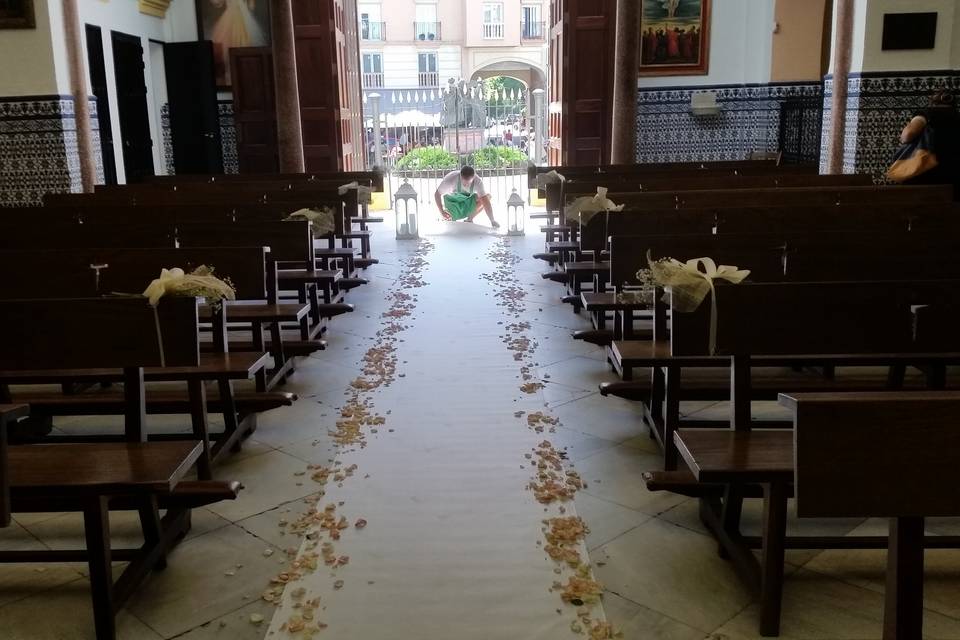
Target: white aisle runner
451, 539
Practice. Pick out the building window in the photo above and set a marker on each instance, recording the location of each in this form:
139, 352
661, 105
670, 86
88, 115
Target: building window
373, 70
426, 27
532, 27
429, 76
372, 27
493, 20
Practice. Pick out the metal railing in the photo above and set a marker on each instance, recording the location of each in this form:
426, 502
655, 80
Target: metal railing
373, 31
426, 31
429, 78
493, 31
533, 30
373, 80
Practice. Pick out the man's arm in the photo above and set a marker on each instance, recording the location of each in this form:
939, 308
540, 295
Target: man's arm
912, 130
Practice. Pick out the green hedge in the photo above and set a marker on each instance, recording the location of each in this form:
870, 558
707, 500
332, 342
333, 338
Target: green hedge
497, 158
424, 158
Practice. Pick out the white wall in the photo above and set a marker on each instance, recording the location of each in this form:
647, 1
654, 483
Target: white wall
28, 63
401, 64
124, 16
941, 57
740, 46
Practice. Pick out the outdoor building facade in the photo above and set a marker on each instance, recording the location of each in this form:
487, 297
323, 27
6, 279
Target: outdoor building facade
411, 46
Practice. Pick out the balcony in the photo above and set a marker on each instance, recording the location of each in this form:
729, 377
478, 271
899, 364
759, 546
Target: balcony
373, 31
533, 30
426, 31
429, 79
373, 81
493, 31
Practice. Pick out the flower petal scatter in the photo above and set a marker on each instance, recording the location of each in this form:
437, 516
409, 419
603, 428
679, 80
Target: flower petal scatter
321, 527
554, 482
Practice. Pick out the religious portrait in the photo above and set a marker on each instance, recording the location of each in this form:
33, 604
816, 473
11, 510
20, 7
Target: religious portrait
674, 37
17, 14
230, 24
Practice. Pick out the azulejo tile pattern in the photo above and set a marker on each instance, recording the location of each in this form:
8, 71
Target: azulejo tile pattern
38, 148
228, 137
879, 104
749, 120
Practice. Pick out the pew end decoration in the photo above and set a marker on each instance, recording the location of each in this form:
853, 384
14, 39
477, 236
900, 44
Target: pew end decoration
551, 177
199, 283
689, 285
589, 206
364, 194
321, 220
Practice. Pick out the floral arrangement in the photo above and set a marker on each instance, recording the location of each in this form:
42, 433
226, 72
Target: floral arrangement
322, 220
689, 285
589, 206
199, 283
551, 177
364, 194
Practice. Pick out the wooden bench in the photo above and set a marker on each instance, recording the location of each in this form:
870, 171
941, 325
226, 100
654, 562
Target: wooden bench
843, 324
96, 272
178, 324
851, 452
97, 478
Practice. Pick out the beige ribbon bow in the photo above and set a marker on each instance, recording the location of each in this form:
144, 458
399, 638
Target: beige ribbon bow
690, 285
322, 219
551, 177
589, 206
364, 194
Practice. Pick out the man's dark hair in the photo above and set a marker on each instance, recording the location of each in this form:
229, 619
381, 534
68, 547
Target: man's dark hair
467, 172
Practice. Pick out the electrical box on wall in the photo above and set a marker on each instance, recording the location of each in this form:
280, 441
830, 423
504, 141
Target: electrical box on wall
704, 103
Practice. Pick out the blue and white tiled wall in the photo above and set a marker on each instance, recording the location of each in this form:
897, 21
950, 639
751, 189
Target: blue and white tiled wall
878, 107
38, 148
749, 120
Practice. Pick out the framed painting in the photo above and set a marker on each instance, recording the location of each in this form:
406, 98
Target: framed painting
17, 14
675, 37
230, 24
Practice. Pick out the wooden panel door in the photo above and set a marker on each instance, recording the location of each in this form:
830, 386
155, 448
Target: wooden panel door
589, 36
328, 71
254, 109
194, 116
129, 70
558, 65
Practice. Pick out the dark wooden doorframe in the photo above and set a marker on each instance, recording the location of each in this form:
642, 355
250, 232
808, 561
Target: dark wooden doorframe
98, 85
129, 70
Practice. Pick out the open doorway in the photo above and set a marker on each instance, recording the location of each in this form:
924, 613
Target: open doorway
132, 107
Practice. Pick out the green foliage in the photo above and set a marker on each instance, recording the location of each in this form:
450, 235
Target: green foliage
425, 158
500, 84
497, 158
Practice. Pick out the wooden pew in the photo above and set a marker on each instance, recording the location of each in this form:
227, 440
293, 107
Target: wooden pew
375, 177
851, 452
668, 386
91, 272
228, 199
291, 245
97, 478
220, 366
847, 324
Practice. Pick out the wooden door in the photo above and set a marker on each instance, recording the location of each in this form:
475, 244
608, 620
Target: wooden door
194, 117
254, 107
557, 71
328, 72
98, 86
589, 36
129, 69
